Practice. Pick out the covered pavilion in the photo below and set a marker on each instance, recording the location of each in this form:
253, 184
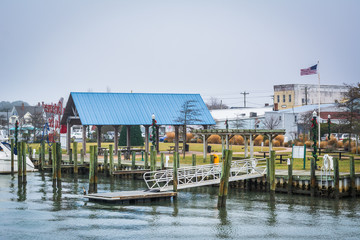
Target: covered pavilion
129, 109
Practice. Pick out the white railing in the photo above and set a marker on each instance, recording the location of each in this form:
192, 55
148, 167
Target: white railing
203, 174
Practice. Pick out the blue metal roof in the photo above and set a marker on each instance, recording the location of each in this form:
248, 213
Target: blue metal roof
136, 108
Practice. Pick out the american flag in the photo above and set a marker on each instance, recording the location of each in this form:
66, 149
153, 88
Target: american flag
309, 71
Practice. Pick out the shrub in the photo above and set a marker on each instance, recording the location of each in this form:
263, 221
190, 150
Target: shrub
214, 139
303, 137
266, 143
308, 144
339, 144
286, 144
199, 140
237, 140
189, 136
332, 141
299, 143
353, 150
170, 137
280, 138
276, 143
323, 144
258, 140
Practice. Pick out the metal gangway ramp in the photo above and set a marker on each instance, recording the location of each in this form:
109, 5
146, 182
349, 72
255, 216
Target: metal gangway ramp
204, 175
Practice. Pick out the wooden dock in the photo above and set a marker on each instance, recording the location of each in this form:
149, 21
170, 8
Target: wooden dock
129, 196
137, 171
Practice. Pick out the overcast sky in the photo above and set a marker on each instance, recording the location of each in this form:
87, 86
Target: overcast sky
216, 48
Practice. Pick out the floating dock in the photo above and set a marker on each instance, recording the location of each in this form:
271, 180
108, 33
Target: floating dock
129, 196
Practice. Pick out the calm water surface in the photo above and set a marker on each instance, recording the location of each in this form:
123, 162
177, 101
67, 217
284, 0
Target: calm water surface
40, 211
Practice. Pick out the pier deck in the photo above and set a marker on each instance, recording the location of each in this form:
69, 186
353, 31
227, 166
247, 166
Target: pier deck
129, 196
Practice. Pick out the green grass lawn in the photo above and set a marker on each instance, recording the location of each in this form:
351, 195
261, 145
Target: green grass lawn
197, 148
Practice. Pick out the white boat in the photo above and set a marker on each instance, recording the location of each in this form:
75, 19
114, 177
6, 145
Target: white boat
5, 160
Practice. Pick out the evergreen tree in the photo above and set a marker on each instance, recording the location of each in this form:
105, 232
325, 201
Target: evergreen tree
135, 134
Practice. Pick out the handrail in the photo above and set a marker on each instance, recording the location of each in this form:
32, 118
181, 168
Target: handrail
201, 174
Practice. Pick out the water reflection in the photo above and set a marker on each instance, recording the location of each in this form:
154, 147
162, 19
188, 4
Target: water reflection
271, 220
224, 228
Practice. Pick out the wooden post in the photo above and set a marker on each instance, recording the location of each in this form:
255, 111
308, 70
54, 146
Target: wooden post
68, 136
98, 135
82, 155
76, 170
162, 158
224, 180
352, 177
84, 139
133, 166
177, 160
111, 158
119, 160
23, 149
116, 139
272, 171
91, 170
245, 146
50, 154
12, 156
19, 161
212, 158
128, 140
312, 177
336, 177
146, 139
194, 159
290, 176
54, 161
153, 159
58, 163
251, 146
176, 139
175, 178
70, 156
96, 154
42, 155
268, 173
146, 163
205, 143
106, 169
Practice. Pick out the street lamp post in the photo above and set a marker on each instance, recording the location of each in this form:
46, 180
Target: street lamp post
314, 130
329, 129
153, 132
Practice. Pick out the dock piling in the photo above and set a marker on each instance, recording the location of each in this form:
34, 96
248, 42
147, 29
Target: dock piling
272, 172
162, 159
175, 178
290, 176
23, 149
352, 177
336, 177
194, 159
312, 177
224, 180
106, 167
133, 157
12, 156
111, 159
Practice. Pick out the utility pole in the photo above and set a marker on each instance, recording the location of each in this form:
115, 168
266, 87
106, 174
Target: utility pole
244, 93
306, 94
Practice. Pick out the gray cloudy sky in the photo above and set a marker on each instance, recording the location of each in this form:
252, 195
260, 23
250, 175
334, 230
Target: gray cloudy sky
215, 48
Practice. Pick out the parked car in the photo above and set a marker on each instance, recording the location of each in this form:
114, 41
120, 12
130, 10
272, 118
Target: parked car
76, 135
162, 139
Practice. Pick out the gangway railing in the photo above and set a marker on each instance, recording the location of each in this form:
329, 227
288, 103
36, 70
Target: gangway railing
201, 175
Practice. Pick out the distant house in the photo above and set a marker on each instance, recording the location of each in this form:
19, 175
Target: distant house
24, 114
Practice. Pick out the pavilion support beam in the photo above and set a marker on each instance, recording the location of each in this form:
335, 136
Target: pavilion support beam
270, 143
98, 135
176, 138
227, 141
251, 146
245, 146
147, 127
116, 139
205, 143
84, 139
128, 138
68, 136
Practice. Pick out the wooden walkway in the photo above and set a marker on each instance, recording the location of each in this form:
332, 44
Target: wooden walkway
129, 196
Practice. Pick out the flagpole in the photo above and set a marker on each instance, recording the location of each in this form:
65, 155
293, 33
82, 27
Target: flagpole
319, 100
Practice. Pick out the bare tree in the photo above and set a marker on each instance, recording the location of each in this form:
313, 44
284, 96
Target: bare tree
215, 103
238, 122
351, 105
188, 115
271, 122
37, 121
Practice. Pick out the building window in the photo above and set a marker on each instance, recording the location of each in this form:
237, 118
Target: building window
303, 100
295, 118
289, 97
284, 99
278, 98
279, 118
